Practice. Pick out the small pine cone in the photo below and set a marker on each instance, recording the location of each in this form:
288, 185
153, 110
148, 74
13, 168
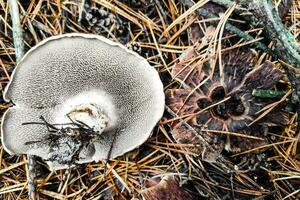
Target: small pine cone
101, 21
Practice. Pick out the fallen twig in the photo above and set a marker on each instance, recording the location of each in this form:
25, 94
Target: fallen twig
17, 30
19, 52
229, 27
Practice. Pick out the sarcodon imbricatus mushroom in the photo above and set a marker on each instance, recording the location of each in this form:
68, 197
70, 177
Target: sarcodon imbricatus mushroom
222, 101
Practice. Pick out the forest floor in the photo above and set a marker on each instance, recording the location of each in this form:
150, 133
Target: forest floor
211, 143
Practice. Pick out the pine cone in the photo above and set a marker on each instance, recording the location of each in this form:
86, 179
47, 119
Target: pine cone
100, 21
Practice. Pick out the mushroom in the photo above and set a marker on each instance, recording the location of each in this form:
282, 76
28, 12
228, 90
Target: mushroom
79, 98
223, 103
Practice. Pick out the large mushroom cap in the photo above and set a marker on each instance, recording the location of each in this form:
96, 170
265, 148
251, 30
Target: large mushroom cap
72, 72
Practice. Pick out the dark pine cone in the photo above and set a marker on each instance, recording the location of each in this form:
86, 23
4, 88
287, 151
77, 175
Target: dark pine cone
100, 21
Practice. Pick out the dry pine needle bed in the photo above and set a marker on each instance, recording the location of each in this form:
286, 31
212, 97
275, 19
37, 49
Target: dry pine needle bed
230, 73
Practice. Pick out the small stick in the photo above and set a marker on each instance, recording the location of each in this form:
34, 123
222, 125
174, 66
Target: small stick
17, 30
32, 193
109, 152
19, 52
229, 27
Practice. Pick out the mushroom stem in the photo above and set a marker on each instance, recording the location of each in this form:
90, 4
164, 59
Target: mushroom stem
91, 116
19, 52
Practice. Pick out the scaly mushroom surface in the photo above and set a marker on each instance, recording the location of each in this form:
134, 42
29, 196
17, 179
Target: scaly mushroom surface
217, 103
80, 98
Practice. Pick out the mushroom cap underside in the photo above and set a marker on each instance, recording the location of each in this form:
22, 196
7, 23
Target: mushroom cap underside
63, 67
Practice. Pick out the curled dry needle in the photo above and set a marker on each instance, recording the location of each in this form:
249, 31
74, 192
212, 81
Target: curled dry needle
223, 103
